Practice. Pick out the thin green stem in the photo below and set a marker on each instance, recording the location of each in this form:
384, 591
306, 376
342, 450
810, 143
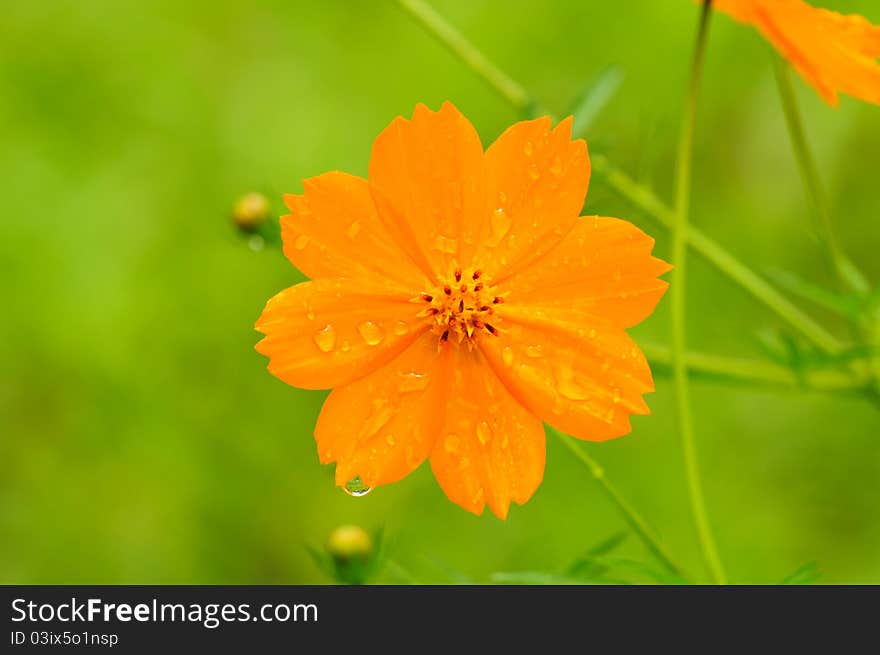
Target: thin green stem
630, 515
646, 200
755, 372
838, 262
639, 195
450, 37
677, 302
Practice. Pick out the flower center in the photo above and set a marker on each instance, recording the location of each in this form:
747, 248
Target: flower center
461, 308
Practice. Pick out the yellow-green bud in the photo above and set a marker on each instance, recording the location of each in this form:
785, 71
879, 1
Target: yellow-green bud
349, 542
250, 211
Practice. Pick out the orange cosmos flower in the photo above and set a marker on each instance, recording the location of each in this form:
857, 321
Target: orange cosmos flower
834, 53
456, 301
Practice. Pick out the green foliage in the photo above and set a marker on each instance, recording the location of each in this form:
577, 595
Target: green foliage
141, 438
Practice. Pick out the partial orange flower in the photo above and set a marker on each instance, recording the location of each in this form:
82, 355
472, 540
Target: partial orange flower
457, 301
834, 53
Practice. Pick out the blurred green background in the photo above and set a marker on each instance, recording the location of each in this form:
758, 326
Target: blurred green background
143, 441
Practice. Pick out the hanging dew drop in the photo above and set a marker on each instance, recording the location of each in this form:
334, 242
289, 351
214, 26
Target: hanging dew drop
356, 488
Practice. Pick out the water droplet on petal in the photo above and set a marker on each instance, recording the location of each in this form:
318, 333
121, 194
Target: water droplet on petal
346, 345
381, 413
483, 432
534, 173
507, 355
451, 443
499, 224
446, 245
353, 230
356, 488
301, 242
502, 197
592, 333
371, 333
567, 385
325, 338
412, 381
556, 166
529, 148
400, 328
389, 439
533, 351
616, 398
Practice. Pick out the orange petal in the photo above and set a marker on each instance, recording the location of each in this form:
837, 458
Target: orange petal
603, 267
536, 182
327, 332
382, 426
833, 52
333, 230
427, 173
583, 378
491, 449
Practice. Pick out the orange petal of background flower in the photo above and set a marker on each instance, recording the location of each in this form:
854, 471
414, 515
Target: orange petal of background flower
327, 332
536, 181
333, 230
491, 449
833, 52
603, 267
382, 426
428, 174
584, 378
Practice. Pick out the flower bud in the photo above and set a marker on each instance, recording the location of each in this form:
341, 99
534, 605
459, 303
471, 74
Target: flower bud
349, 542
250, 211
350, 553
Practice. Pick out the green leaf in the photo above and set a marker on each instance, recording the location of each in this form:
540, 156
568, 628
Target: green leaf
322, 560
587, 565
853, 276
846, 306
595, 98
632, 566
805, 574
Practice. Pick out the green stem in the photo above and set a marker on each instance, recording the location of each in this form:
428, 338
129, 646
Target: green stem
630, 515
646, 200
639, 195
677, 302
450, 37
753, 372
838, 262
